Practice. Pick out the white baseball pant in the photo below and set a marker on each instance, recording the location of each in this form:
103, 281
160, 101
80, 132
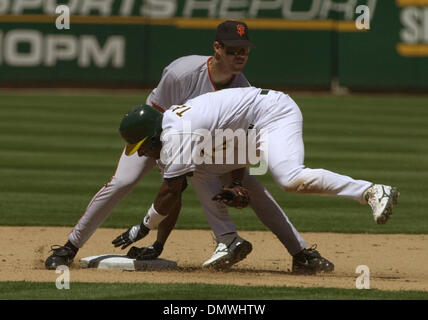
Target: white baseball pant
286, 155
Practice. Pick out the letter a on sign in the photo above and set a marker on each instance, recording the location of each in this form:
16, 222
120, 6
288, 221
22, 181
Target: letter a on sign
63, 20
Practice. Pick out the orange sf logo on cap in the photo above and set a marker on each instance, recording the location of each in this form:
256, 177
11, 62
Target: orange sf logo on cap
241, 29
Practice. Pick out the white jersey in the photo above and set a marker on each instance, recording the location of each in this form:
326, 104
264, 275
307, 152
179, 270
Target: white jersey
237, 108
185, 78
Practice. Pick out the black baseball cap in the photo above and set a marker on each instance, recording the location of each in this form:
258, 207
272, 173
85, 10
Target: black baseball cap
233, 33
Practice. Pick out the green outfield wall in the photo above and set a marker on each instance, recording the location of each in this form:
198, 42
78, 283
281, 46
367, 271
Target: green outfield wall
307, 43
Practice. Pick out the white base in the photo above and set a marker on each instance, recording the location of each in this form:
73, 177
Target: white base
122, 262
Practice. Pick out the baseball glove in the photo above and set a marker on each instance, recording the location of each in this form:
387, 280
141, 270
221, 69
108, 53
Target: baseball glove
234, 195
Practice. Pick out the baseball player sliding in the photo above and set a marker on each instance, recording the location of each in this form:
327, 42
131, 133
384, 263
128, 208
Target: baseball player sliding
183, 79
149, 133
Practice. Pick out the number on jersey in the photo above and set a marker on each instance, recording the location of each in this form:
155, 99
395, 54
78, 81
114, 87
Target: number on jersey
180, 110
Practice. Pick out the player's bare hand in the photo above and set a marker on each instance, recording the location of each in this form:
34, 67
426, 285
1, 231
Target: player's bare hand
133, 234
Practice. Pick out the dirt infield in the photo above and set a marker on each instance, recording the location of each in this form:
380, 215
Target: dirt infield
396, 262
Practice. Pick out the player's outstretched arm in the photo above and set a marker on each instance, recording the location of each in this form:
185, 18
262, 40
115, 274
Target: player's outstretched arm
166, 208
165, 227
168, 199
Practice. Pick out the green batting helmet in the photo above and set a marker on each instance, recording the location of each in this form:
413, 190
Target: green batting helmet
139, 124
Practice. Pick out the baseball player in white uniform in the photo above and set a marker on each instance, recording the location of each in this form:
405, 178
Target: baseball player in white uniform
148, 133
183, 79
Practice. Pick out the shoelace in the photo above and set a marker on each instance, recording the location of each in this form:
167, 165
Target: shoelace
55, 247
313, 252
313, 247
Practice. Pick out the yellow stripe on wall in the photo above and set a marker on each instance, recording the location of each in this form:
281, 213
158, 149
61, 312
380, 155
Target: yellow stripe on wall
412, 50
408, 3
273, 24
41, 18
192, 23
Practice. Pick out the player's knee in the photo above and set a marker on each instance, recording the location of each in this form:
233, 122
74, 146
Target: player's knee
288, 180
290, 185
123, 185
303, 181
292, 181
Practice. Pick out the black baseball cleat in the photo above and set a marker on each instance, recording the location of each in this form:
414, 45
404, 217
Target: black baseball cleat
310, 261
62, 255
